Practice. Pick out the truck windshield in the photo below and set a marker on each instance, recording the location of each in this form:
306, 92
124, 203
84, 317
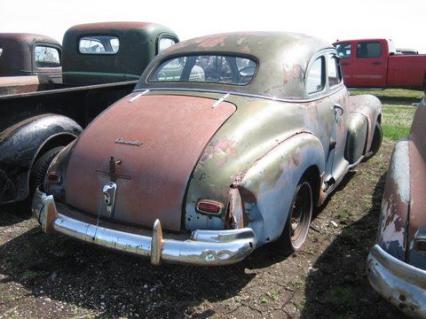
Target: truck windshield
206, 68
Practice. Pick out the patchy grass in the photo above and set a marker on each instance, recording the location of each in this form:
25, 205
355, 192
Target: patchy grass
397, 120
391, 93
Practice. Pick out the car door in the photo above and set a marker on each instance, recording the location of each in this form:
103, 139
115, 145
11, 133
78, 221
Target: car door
338, 98
324, 85
369, 68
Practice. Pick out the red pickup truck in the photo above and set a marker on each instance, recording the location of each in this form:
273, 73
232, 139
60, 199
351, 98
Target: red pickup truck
376, 63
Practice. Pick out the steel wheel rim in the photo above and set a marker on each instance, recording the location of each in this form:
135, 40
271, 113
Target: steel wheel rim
301, 214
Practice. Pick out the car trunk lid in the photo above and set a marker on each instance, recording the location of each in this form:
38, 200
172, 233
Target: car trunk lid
155, 142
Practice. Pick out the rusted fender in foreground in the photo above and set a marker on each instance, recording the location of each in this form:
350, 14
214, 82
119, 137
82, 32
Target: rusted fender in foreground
397, 263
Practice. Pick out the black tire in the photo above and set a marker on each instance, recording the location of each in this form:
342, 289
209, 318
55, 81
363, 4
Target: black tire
39, 169
299, 218
377, 140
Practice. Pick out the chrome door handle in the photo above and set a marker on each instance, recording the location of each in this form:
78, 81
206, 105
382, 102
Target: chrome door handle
338, 109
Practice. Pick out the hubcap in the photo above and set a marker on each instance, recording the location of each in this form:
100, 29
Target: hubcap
301, 214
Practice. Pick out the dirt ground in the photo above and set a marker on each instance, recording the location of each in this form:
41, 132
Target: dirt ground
49, 276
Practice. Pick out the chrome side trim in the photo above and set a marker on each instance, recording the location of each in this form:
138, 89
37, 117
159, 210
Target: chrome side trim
250, 95
398, 282
204, 247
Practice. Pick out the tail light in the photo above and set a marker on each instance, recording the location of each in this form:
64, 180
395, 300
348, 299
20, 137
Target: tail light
420, 245
53, 177
209, 207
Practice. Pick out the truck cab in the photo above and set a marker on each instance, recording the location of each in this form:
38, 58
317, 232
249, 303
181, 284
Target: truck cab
97, 53
375, 63
28, 62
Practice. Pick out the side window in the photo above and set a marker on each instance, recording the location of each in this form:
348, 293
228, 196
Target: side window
371, 49
344, 50
315, 80
1, 51
46, 56
165, 43
333, 70
99, 44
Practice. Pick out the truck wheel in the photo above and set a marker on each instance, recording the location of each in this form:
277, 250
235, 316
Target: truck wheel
40, 167
299, 219
377, 140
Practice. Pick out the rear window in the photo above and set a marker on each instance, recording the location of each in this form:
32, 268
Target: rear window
206, 68
368, 49
46, 56
99, 44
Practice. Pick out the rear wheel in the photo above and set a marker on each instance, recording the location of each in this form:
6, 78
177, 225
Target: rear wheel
299, 219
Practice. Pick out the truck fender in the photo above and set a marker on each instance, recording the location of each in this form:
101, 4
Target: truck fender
371, 108
24, 142
392, 233
268, 187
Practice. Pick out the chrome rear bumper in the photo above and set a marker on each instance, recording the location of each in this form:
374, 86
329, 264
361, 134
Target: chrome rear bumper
398, 282
205, 247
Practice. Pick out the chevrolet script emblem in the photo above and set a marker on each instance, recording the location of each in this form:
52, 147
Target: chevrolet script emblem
121, 140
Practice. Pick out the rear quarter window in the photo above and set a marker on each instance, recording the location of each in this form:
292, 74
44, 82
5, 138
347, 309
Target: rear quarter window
315, 81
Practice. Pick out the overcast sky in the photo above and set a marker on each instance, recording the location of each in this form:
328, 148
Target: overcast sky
403, 21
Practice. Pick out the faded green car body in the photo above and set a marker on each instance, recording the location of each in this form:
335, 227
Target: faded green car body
276, 134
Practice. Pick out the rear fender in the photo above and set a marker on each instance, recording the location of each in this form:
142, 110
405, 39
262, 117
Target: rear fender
22, 144
371, 108
358, 128
392, 234
268, 187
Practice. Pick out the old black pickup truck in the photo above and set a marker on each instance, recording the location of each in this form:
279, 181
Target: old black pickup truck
98, 64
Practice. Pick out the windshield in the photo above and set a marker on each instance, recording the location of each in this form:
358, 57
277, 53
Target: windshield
206, 68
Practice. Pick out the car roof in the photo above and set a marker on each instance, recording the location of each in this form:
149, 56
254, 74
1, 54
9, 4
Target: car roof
282, 60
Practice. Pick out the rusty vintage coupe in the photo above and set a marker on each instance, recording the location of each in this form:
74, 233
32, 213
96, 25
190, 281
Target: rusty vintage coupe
227, 143
397, 263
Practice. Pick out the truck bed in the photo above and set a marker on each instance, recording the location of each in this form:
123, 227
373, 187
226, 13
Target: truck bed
406, 71
79, 103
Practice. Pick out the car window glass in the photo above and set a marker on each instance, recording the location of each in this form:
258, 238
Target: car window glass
368, 49
315, 79
333, 70
206, 68
46, 56
99, 44
344, 50
1, 51
165, 43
